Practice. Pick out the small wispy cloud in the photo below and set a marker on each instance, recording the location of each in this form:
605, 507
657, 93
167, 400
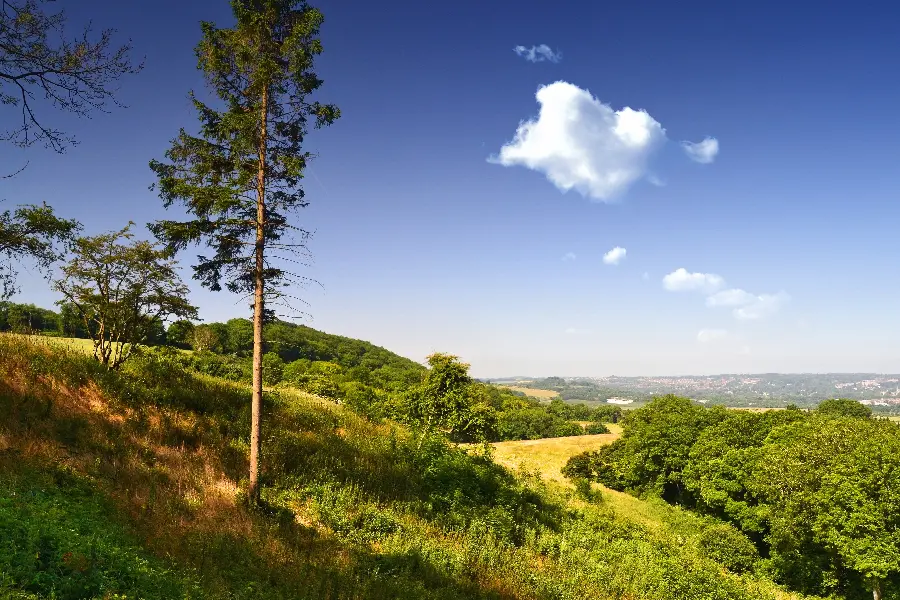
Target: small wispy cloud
711, 335
656, 180
682, 280
539, 53
732, 297
645, 276
762, 306
569, 256
580, 143
703, 152
577, 331
615, 256
747, 306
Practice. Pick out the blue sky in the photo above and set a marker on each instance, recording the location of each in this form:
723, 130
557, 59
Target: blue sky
442, 223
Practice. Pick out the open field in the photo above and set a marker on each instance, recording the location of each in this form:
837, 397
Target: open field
542, 394
76, 344
548, 456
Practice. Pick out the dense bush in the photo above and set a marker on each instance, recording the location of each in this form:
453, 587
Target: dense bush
596, 428
725, 544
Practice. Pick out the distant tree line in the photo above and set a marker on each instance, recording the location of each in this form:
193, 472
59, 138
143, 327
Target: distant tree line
808, 498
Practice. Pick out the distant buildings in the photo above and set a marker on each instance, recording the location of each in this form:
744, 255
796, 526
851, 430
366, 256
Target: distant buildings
618, 401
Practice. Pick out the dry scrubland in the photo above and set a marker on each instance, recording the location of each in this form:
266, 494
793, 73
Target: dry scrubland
129, 485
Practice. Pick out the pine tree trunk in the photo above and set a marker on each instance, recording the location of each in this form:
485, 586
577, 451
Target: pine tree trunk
258, 306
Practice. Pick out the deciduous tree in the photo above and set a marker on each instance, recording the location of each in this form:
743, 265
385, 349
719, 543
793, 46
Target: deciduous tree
122, 288
240, 178
40, 63
33, 232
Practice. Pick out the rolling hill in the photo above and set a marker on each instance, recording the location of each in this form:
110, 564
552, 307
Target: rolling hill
130, 485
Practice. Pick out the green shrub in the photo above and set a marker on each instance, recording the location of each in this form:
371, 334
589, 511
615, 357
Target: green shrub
725, 544
596, 428
580, 466
273, 368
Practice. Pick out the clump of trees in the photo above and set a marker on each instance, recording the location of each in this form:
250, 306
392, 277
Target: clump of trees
815, 493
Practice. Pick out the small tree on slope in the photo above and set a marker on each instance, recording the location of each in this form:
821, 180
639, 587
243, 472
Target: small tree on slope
122, 289
240, 177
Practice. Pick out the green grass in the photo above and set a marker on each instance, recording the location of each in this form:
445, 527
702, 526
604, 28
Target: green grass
131, 483
70, 344
62, 540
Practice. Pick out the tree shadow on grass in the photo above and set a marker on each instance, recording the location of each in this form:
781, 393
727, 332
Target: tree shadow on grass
84, 544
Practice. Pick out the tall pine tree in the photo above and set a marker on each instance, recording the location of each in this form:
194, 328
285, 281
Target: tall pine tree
240, 178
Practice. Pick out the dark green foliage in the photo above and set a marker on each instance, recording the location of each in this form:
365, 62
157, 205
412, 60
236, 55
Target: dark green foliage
655, 446
596, 428
379, 384
28, 318
722, 460
273, 369
725, 544
299, 346
533, 421
814, 493
180, 333
581, 467
29, 231
262, 72
841, 407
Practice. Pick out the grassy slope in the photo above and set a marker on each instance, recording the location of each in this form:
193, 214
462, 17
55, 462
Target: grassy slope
548, 456
130, 483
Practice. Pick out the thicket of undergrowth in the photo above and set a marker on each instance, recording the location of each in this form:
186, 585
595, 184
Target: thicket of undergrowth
130, 483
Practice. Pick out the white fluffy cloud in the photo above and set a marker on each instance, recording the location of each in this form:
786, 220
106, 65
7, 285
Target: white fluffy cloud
538, 53
762, 306
569, 256
703, 152
711, 335
732, 297
682, 280
580, 143
615, 256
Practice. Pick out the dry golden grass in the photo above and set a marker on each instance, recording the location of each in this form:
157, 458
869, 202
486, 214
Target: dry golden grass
541, 394
548, 456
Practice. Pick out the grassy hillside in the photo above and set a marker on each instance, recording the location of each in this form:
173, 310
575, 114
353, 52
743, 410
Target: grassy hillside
548, 456
129, 485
